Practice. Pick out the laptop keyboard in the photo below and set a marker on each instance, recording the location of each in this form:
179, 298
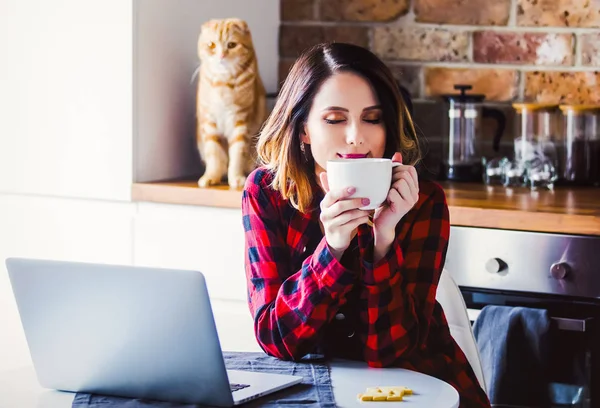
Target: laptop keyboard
237, 387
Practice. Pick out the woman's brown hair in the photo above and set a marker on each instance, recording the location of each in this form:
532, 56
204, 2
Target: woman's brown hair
279, 144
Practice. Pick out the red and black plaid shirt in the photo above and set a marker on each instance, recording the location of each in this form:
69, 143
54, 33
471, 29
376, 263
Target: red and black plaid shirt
304, 301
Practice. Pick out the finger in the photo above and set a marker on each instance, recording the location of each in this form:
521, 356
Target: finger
410, 174
351, 225
405, 169
333, 196
397, 157
394, 199
342, 206
414, 188
404, 189
401, 169
347, 217
415, 177
324, 181
414, 185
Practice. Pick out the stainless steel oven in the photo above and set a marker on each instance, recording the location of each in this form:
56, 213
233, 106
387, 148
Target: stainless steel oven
559, 273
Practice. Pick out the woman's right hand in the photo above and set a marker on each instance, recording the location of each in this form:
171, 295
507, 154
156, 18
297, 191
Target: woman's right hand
340, 216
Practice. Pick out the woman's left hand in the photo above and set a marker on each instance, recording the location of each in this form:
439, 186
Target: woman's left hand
403, 195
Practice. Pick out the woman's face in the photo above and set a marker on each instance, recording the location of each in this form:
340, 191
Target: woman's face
345, 121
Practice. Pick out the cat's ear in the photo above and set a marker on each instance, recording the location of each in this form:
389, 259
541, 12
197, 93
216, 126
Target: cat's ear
208, 25
241, 25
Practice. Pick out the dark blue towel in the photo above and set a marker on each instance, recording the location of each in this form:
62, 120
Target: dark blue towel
513, 344
314, 391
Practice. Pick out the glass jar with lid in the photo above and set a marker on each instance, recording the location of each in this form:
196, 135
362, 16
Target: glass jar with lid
536, 137
579, 152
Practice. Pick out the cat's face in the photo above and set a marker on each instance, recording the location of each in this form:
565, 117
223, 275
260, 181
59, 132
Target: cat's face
225, 44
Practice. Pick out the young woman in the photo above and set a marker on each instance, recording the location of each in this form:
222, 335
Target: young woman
324, 276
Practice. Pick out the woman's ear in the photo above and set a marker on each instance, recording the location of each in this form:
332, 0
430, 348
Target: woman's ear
304, 138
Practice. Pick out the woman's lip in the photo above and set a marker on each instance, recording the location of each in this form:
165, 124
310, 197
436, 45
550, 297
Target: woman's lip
352, 156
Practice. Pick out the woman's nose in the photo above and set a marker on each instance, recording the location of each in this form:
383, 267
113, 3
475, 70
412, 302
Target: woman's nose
354, 135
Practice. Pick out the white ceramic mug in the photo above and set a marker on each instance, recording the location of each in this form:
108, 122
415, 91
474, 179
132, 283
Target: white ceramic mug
372, 178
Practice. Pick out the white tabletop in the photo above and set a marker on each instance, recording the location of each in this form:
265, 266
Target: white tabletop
350, 378
19, 388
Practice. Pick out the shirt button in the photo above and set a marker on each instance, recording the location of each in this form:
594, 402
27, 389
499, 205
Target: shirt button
340, 316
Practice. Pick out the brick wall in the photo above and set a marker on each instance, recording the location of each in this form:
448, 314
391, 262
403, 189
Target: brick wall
509, 50
544, 50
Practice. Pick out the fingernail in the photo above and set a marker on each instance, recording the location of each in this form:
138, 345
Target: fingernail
365, 201
351, 190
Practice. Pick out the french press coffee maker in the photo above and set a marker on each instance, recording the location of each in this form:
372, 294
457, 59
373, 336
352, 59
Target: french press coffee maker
462, 155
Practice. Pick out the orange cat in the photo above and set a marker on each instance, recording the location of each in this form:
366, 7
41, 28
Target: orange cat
231, 102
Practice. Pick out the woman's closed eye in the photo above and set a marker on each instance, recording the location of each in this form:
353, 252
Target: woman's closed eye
333, 119
374, 120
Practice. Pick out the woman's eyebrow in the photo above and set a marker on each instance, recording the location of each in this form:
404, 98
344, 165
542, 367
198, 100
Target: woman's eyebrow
339, 108
335, 108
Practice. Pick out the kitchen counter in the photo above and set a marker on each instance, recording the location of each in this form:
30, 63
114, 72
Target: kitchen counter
564, 210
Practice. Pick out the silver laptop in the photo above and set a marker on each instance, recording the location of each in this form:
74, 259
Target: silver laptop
128, 331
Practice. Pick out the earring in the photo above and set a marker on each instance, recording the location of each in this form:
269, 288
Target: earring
303, 149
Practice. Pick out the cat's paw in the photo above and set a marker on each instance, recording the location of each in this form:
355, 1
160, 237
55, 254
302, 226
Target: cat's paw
236, 181
208, 180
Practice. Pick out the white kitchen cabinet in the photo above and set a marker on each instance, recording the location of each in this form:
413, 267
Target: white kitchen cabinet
55, 228
207, 239
234, 325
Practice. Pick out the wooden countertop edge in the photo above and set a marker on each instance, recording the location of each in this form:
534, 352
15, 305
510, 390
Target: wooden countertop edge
524, 220
459, 215
174, 194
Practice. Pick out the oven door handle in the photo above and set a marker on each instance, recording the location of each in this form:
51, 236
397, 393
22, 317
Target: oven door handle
562, 323
576, 325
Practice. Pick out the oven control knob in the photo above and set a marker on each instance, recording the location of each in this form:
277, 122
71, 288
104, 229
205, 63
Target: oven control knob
560, 270
495, 265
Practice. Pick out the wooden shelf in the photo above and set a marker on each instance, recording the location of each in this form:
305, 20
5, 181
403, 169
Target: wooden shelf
186, 192
564, 210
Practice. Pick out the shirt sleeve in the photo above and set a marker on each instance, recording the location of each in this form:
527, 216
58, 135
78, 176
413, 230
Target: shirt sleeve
289, 307
400, 289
